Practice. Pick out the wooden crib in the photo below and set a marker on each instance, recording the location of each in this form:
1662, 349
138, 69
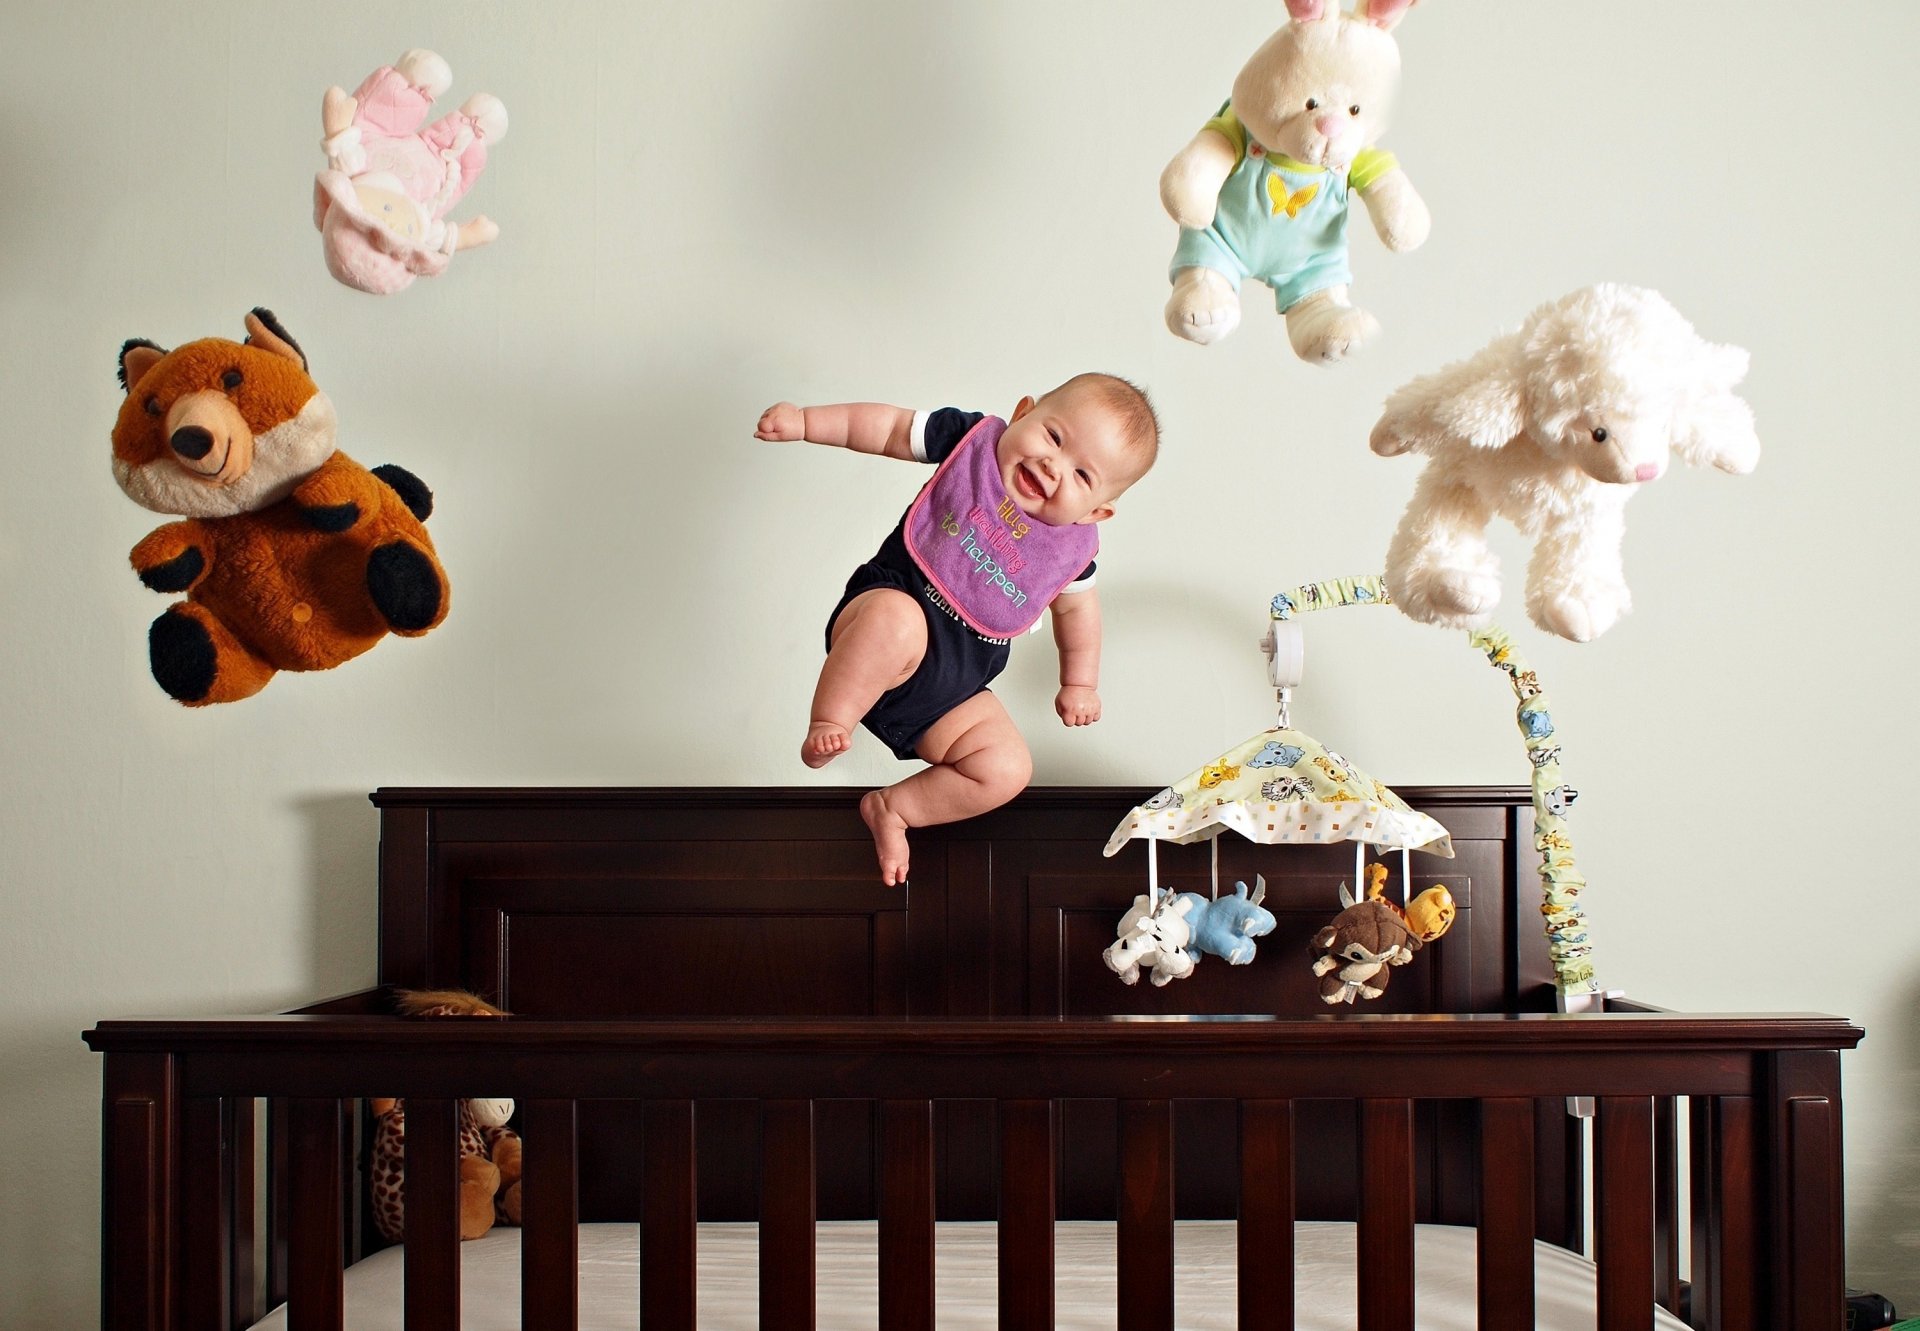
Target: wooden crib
720, 1015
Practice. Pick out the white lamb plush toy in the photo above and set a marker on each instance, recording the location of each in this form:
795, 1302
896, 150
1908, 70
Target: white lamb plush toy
1554, 428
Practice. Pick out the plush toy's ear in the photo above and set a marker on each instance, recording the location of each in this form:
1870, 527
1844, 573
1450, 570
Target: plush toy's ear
1324, 939
1488, 411
264, 331
136, 358
1383, 14
1312, 11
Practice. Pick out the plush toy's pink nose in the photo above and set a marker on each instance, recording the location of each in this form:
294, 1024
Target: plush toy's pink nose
1331, 125
1646, 471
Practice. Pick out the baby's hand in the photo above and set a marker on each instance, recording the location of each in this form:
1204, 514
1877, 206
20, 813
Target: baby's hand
1077, 704
782, 423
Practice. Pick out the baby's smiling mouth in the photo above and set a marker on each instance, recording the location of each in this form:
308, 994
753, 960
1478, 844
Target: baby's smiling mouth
1028, 484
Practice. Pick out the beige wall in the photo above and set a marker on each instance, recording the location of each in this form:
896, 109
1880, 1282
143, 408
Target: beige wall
709, 207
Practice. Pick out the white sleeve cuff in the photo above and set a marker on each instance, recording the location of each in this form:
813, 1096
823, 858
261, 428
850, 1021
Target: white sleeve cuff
918, 438
344, 151
1080, 585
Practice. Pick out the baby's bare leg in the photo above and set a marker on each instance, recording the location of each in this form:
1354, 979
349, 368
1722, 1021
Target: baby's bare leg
979, 762
878, 640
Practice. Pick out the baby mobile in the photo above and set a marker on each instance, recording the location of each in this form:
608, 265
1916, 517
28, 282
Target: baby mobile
1283, 787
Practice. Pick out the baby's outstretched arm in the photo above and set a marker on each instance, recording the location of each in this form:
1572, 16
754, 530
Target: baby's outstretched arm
1076, 633
865, 427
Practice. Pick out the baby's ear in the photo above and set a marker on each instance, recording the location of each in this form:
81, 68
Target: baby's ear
1024, 406
1100, 514
1383, 14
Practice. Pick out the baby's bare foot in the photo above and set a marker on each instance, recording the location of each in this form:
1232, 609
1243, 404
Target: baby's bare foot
825, 741
889, 837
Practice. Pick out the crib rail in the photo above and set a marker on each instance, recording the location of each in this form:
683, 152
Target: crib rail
1763, 1164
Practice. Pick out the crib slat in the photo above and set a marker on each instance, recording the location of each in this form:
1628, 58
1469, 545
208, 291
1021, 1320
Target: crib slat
1666, 1205
1026, 1215
279, 1204
1265, 1234
1703, 1238
668, 1284
206, 1222
1145, 1209
1736, 1206
243, 1304
316, 1223
786, 1215
1386, 1215
550, 1216
906, 1215
431, 1193
1623, 1210
1506, 1215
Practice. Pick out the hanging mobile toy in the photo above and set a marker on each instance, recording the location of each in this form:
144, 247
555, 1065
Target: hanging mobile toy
1373, 934
1284, 787
391, 179
1281, 787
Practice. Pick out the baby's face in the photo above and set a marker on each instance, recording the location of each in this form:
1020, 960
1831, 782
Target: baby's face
1064, 459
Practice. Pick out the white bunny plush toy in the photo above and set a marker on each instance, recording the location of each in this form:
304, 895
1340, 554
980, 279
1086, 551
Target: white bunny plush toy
1263, 191
1555, 427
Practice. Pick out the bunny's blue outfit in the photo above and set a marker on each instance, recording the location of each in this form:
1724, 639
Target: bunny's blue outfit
1279, 220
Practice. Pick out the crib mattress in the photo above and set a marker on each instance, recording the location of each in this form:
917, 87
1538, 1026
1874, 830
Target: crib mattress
966, 1282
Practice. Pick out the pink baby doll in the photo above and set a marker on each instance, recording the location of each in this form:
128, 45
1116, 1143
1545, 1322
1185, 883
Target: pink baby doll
391, 179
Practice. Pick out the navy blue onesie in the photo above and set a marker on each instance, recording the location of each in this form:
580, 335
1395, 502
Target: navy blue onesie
959, 662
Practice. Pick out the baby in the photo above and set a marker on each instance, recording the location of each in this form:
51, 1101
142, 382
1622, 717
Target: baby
1005, 529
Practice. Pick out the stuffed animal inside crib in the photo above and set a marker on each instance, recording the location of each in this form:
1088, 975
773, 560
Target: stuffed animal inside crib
490, 1151
381, 204
1264, 190
1555, 427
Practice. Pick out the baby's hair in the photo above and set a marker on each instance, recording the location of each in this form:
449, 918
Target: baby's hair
1139, 423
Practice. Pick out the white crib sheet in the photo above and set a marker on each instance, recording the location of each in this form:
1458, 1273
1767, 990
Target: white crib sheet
965, 1282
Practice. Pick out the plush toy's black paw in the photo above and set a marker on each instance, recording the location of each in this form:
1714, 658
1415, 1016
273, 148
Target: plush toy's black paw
335, 518
177, 574
412, 490
182, 655
404, 585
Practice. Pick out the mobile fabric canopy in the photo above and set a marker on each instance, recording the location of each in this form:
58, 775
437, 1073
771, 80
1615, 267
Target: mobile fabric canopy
1282, 787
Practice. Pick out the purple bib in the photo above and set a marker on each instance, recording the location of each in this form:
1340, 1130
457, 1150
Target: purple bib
997, 567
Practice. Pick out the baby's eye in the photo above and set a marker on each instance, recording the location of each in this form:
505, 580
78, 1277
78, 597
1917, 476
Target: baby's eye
1053, 434
153, 406
230, 380
1313, 103
1084, 478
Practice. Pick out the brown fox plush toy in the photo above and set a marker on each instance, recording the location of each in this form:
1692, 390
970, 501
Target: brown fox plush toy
292, 555
490, 1152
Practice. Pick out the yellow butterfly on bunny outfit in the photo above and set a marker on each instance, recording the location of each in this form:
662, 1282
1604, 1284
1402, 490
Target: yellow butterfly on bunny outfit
1289, 202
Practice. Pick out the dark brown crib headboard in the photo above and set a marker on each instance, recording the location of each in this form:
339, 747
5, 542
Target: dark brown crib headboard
765, 902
